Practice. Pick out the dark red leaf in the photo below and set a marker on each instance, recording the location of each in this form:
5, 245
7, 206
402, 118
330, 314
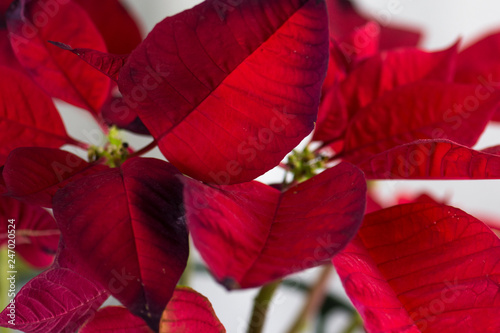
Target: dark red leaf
432, 159
35, 174
115, 319
423, 110
116, 111
32, 24
423, 267
58, 300
36, 232
250, 233
190, 312
117, 27
28, 116
106, 63
228, 91
125, 225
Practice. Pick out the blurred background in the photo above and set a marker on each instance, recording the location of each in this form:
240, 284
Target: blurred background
442, 23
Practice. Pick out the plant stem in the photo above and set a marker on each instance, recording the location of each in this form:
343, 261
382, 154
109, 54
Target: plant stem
261, 305
144, 150
314, 300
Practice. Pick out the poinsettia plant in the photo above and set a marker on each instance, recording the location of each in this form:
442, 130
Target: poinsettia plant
226, 90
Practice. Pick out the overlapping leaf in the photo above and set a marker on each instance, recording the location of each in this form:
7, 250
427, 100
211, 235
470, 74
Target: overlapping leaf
28, 116
115, 319
35, 174
131, 219
423, 110
228, 91
375, 77
59, 300
190, 312
37, 234
120, 32
32, 24
251, 233
423, 267
432, 159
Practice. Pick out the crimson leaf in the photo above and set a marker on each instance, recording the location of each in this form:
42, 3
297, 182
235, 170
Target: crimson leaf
432, 159
125, 225
28, 116
422, 110
190, 312
35, 174
32, 24
115, 319
251, 233
228, 91
423, 267
36, 231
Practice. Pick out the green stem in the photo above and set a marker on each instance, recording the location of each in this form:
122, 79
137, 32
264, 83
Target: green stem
261, 305
314, 301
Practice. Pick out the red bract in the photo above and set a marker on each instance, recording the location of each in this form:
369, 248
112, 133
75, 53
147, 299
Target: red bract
37, 234
35, 174
32, 24
377, 76
117, 27
478, 64
250, 234
344, 19
108, 64
190, 312
423, 268
135, 240
228, 91
115, 319
432, 159
28, 116
60, 299
423, 110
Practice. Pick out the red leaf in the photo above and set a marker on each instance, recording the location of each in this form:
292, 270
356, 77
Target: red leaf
115, 319
60, 299
479, 61
344, 19
423, 110
34, 174
28, 116
250, 233
32, 24
36, 232
423, 268
125, 225
116, 111
108, 64
432, 159
228, 91
478, 64
117, 27
190, 312
392, 69
375, 77
7, 57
